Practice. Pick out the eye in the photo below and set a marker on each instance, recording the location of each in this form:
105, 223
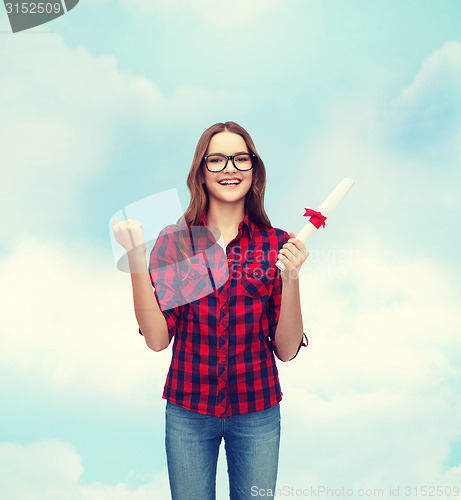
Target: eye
215, 159
242, 158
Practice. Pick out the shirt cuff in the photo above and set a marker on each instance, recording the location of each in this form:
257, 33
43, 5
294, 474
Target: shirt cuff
302, 344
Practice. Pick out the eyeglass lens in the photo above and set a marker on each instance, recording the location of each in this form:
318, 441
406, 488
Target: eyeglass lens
215, 163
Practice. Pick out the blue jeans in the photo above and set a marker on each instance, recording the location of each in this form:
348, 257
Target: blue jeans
192, 445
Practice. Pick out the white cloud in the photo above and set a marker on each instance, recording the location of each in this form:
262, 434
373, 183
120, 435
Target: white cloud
393, 325
451, 480
374, 400
63, 113
439, 80
403, 154
68, 317
425, 120
52, 470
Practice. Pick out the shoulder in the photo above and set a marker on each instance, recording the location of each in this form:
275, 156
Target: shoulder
167, 240
269, 241
168, 232
175, 240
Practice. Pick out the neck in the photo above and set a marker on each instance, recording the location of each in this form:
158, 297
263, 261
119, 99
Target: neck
225, 216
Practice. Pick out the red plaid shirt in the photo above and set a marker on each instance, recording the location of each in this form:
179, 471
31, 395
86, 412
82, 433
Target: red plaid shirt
222, 310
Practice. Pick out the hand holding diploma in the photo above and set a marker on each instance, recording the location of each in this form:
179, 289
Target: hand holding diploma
317, 219
292, 255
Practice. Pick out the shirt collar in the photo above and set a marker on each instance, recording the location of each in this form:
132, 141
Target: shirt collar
247, 220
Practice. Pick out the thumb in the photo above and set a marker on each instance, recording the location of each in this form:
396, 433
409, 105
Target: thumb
292, 234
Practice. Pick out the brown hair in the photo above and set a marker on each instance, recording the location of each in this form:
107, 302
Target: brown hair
254, 200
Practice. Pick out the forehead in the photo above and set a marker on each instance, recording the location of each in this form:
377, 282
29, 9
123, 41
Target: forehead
226, 143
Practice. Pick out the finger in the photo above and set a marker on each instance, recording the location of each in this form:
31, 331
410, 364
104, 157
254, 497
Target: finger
296, 258
292, 247
286, 253
285, 256
301, 253
298, 243
292, 236
290, 269
283, 259
292, 252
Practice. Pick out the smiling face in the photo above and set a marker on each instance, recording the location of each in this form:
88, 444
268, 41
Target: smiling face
219, 184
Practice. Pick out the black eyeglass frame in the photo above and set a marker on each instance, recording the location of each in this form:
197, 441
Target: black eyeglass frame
252, 156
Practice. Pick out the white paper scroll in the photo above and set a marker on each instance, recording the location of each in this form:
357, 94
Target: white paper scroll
326, 208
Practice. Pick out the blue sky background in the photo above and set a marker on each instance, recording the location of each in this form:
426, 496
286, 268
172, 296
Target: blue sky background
104, 106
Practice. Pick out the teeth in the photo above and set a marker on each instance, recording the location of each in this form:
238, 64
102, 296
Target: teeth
229, 182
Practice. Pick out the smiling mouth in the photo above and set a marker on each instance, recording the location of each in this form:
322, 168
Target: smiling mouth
233, 182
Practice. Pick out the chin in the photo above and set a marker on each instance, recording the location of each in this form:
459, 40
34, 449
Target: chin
230, 199
230, 196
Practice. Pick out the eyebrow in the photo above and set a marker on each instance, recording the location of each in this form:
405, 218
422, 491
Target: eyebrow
240, 152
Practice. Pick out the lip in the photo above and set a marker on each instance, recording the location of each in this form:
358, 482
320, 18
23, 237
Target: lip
230, 179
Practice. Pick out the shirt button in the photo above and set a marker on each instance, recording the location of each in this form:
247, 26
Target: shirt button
223, 333
229, 260
224, 307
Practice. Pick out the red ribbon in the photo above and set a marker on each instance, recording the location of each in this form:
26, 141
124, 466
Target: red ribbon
316, 218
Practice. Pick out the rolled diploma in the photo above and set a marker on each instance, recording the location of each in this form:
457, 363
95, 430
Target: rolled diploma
325, 209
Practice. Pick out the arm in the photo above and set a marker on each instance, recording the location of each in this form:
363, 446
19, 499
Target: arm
129, 235
148, 313
289, 331
289, 334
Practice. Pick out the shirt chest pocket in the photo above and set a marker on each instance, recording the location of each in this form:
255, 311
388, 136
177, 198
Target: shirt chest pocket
195, 280
256, 279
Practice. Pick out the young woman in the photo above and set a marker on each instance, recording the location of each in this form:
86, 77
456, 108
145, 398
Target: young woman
229, 310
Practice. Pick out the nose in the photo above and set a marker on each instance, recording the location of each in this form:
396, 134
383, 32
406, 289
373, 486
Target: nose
230, 165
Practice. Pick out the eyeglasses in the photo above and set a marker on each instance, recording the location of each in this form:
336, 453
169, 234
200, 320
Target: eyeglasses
218, 162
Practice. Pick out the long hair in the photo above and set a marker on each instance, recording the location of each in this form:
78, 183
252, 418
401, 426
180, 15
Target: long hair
254, 199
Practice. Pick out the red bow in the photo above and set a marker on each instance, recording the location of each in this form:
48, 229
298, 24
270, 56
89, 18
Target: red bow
316, 218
